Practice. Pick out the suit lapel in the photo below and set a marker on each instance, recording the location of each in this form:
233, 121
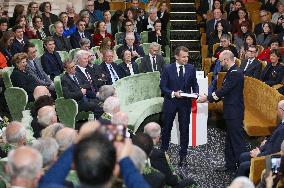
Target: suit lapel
186, 74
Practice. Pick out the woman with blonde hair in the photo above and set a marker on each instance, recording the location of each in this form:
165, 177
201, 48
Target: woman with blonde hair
106, 45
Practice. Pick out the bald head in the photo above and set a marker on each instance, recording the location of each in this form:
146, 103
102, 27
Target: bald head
227, 59
65, 138
153, 130
120, 118
47, 115
25, 163
15, 133
40, 91
280, 110
241, 182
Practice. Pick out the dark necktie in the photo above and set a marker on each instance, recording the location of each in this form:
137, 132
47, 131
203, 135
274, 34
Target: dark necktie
39, 74
154, 64
113, 73
22, 42
89, 78
180, 75
248, 63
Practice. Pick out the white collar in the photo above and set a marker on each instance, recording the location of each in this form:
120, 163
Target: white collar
178, 65
82, 68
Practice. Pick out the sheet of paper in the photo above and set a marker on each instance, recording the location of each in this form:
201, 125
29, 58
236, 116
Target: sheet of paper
190, 95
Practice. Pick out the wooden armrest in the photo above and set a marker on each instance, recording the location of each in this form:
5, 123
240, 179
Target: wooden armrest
277, 86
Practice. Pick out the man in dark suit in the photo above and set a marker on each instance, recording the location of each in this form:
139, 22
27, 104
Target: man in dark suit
79, 34
74, 88
210, 25
264, 17
176, 78
159, 160
19, 41
153, 61
268, 146
232, 94
112, 70
148, 23
251, 66
61, 43
135, 50
34, 67
50, 60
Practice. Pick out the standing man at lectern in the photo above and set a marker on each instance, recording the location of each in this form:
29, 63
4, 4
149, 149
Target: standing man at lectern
176, 78
232, 94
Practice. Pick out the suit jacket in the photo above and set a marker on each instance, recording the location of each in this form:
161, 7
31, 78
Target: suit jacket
47, 21
170, 82
71, 89
17, 47
30, 68
162, 40
125, 70
146, 65
75, 39
253, 70
165, 19
62, 43
136, 48
263, 42
258, 28
273, 143
108, 74
52, 64
24, 80
232, 94
275, 77
99, 75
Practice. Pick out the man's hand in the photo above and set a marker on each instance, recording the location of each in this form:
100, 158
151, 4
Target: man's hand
135, 54
84, 91
177, 94
202, 98
254, 152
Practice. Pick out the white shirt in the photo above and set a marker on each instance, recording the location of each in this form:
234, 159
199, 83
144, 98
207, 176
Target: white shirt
178, 65
108, 27
83, 70
151, 24
248, 63
151, 59
129, 66
111, 74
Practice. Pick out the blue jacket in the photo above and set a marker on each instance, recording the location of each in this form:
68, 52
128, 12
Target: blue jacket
52, 64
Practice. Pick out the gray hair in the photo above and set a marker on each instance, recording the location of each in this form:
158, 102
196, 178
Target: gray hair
152, 129
154, 45
84, 41
84, 13
79, 54
138, 157
106, 91
130, 35
226, 36
228, 54
14, 133
24, 162
48, 148
51, 130
45, 115
243, 182
65, 137
152, 9
110, 104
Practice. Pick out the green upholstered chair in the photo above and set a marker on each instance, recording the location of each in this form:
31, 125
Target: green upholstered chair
95, 49
58, 87
17, 100
117, 46
144, 36
146, 46
167, 60
97, 61
63, 55
118, 61
138, 61
39, 46
168, 51
72, 52
140, 97
116, 37
6, 73
51, 29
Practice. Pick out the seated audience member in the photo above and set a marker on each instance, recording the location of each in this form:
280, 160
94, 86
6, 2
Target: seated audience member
48, 148
111, 106
41, 31
106, 45
277, 16
121, 118
19, 41
216, 35
72, 15
264, 17
239, 37
102, 5
164, 15
68, 25
249, 40
129, 28
94, 15
101, 33
44, 100
15, 134
3, 26
111, 28
130, 14
241, 182
159, 36
51, 130
243, 16
85, 44
136, 51
28, 31
251, 66
138, 157
5, 46
95, 153
159, 160
280, 35
105, 92
265, 54
153, 61
155, 178
266, 36
117, 20
148, 24
46, 116
84, 15
3, 61
268, 146
34, 67
47, 17
74, 86
152, 4
20, 77
79, 34
65, 138
40, 91
50, 60
61, 43
128, 67
233, 10
111, 69
273, 73
24, 167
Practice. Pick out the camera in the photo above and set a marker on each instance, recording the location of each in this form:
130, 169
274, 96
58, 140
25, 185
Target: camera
273, 163
115, 132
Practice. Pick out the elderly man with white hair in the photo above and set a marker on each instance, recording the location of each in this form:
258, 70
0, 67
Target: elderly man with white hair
111, 106
148, 24
15, 134
40, 91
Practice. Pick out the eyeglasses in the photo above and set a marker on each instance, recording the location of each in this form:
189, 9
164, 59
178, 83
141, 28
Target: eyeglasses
251, 51
34, 7
128, 25
263, 15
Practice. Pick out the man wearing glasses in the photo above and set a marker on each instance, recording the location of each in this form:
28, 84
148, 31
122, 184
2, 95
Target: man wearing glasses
265, 18
95, 15
251, 66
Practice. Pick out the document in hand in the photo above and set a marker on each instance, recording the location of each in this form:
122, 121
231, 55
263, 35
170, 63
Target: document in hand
189, 95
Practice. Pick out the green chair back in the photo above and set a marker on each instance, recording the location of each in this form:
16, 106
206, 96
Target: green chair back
167, 60
17, 100
117, 46
112, 12
95, 49
168, 51
138, 87
138, 61
58, 87
72, 52
63, 55
144, 36
6, 73
146, 46
39, 46
52, 29
118, 61
97, 61
66, 110
116, 37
